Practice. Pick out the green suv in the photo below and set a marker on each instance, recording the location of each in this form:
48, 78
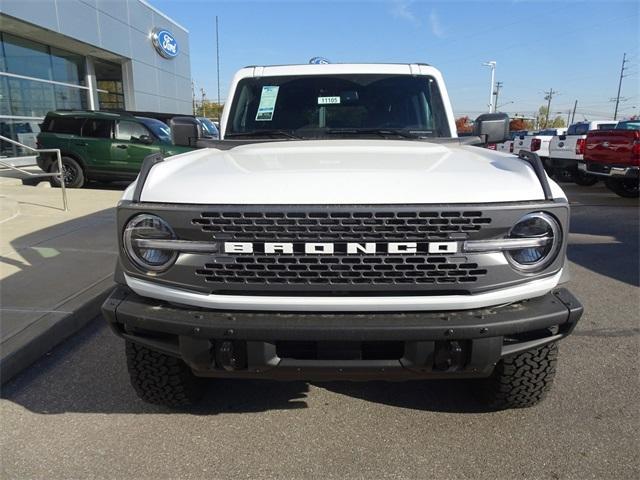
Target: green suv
101, 146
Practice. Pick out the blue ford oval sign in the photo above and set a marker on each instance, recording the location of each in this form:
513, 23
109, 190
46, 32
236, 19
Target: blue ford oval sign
165, 43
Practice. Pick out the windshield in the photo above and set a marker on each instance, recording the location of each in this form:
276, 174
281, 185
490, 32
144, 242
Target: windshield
315, 106
578, 129
158, 128
630, 125
209, 128
549, 133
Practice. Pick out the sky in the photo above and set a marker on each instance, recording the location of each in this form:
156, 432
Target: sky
573, 47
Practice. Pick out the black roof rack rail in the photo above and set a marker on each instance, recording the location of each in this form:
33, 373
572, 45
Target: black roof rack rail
535, 162
147, 164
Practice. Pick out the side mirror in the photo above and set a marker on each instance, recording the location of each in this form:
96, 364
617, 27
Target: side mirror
145, 139
185, 131
492, 127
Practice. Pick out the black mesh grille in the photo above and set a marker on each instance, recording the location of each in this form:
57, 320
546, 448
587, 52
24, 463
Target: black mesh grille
329, 226
339, 272
342, 270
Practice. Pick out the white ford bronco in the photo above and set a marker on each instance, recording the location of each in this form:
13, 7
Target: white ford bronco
339, 230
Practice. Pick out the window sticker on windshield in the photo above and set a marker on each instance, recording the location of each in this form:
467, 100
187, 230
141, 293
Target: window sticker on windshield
328, 100
267, 103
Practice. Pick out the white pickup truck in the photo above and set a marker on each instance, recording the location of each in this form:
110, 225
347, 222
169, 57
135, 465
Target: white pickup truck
508, 145
566, 151
340, 230
537, 143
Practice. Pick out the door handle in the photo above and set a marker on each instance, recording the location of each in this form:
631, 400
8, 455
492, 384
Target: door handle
81, 144
121, 146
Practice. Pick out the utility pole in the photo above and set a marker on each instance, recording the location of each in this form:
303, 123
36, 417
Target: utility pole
204, 107
573, 114
548, 96
497, 92
193, 96
492, 65
218, 60
624, 61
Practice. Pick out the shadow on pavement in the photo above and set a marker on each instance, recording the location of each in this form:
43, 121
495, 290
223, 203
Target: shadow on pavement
450, 396
87, 374
605, 241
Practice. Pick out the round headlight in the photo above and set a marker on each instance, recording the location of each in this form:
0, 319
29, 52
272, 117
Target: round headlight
139, 237
540, 226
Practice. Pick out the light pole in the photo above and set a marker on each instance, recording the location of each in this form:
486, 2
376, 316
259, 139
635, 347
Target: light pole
507, 103
492, 65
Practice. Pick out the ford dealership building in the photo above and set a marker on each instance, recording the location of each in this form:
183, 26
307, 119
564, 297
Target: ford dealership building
87, 54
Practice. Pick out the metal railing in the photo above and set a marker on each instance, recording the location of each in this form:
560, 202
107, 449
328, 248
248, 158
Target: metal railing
59, 173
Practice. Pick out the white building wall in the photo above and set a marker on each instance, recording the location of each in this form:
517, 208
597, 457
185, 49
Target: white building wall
124, 28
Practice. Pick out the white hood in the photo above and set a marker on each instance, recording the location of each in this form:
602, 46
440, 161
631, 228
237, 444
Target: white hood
343, 172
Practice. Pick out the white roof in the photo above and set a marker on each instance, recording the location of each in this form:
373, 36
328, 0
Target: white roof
338, 68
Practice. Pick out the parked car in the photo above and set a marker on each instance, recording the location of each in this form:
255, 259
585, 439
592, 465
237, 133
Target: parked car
209, 129
101, 145
567, 150
341, 231
615, 156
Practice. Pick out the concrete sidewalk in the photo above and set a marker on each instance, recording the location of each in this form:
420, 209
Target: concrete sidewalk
55, 267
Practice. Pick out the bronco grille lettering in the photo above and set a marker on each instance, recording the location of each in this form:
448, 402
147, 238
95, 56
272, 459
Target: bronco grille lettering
343, 248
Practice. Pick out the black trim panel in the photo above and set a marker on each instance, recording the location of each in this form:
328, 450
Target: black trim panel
147, 164
538, 167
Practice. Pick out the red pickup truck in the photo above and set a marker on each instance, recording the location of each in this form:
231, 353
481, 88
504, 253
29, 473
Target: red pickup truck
615, 155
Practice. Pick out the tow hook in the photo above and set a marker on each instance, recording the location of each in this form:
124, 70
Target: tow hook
231, 355
448, 356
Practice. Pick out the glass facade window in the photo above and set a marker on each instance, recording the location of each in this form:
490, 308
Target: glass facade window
109, 79
24, 57
67, 67
114, 99
24, 102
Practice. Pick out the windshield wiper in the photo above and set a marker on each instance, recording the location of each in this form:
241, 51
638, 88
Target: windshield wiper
264, 133
385, 132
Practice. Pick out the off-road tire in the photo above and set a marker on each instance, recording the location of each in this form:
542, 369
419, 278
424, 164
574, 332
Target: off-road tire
161, 379
520, 380
75, 175
627, 188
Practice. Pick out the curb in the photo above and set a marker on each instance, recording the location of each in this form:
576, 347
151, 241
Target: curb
51, 329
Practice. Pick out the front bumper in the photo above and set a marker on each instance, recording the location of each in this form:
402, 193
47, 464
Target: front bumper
342, 346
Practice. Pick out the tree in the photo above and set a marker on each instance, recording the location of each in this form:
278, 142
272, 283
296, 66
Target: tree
541, 118
463, 125
558, 122
209, 109
518, 124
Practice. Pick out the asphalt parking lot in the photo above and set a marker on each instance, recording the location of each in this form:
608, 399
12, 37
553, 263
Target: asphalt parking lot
74, 415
